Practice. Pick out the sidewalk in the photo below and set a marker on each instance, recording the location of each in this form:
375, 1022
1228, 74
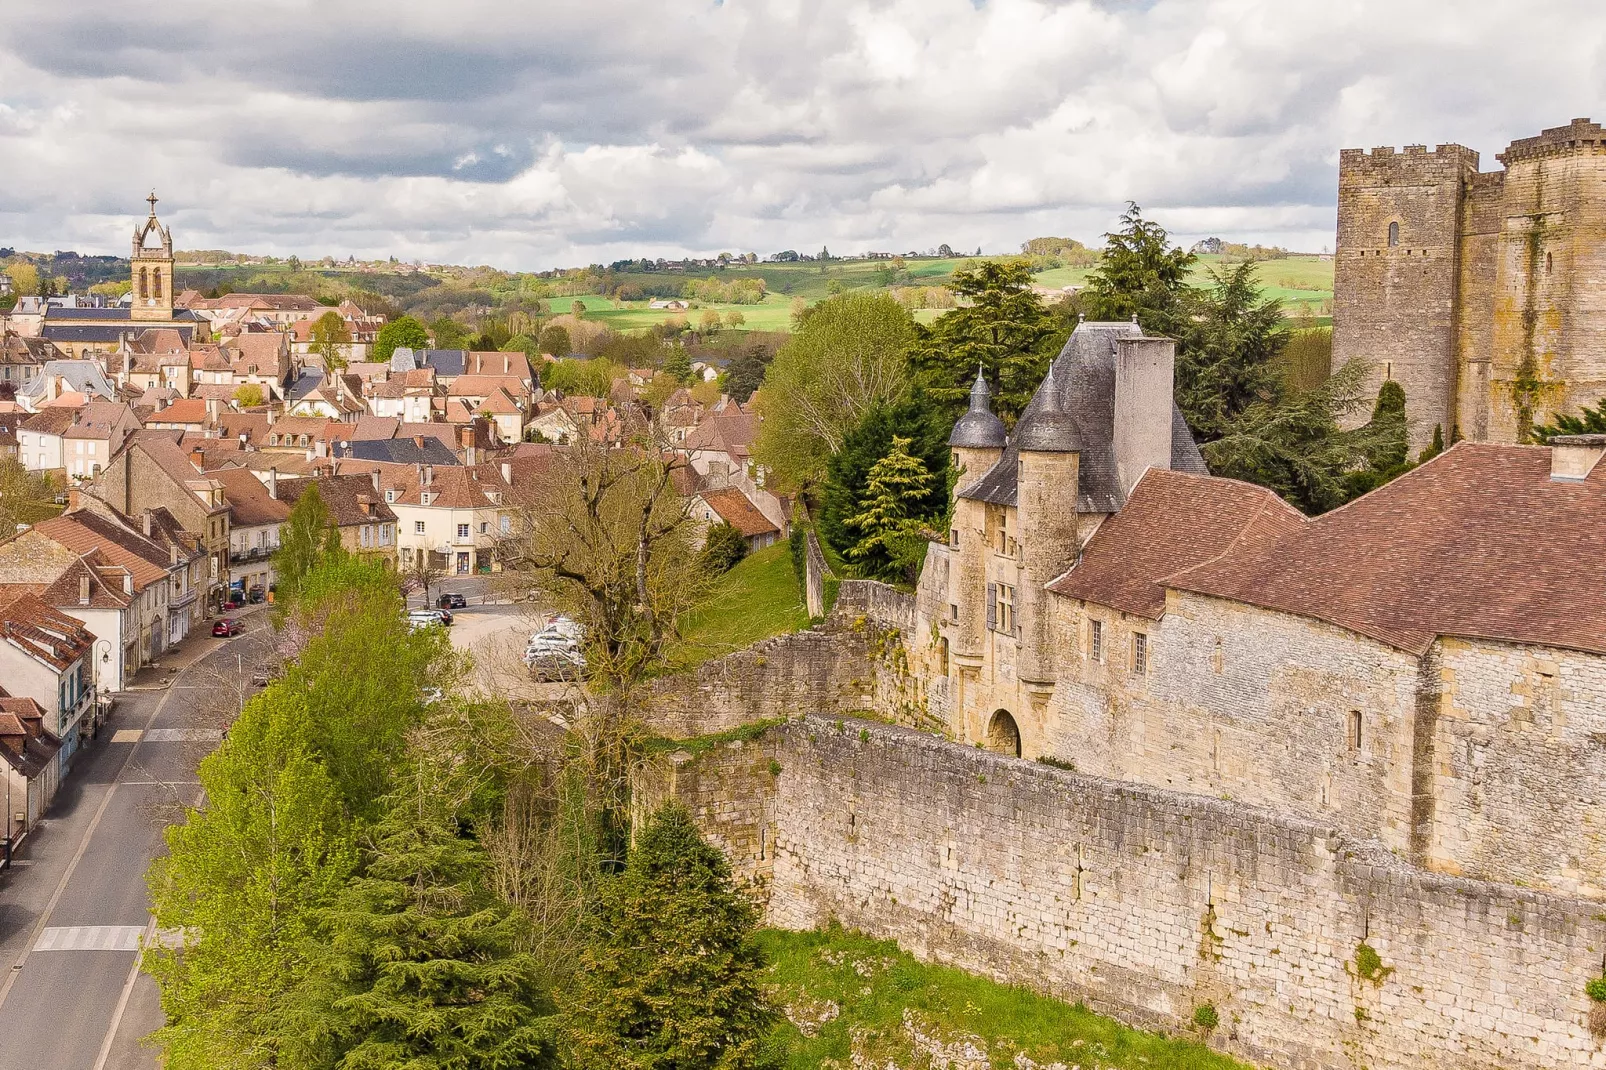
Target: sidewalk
158, 675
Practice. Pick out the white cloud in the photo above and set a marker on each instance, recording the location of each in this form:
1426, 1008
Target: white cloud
535, 135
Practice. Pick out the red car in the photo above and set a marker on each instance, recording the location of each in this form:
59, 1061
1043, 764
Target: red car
227, 627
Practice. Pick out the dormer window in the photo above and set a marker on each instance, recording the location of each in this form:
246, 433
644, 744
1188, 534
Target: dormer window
390, 496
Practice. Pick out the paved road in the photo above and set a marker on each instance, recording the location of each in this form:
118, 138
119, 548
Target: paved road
73, 907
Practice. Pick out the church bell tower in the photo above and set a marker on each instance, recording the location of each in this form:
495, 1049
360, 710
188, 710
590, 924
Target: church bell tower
152, 268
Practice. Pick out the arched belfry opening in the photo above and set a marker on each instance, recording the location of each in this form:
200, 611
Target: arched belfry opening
1394, 235
1003, 734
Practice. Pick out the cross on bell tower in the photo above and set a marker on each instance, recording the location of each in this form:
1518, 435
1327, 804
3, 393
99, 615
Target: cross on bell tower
152, 270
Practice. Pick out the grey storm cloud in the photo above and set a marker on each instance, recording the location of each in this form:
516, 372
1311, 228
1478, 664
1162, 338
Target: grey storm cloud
530, 135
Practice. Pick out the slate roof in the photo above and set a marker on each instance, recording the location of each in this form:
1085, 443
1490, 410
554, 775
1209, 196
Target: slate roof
402, 451
445, 361
83, 376
1084, 372
57, 312
1479, 542
1172, 521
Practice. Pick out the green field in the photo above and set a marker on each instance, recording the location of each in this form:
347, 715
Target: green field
865, 1000
758, 598
1296, 280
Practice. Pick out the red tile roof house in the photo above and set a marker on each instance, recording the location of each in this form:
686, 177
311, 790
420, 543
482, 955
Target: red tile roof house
85, 584
730, 506
28, 754
44, 656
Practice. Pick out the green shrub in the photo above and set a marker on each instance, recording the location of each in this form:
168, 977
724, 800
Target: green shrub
1205, 1017
1596, 989
724, 549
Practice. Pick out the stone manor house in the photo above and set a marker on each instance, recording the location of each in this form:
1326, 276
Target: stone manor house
1424, 667
1483, 293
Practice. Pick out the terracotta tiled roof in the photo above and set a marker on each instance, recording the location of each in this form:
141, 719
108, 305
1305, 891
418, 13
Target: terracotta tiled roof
51, 421
248, 498
97, 419
731, 434
732, 506
1478, 542
1172, 521
344, 496
374, 427
43, 632
183, 411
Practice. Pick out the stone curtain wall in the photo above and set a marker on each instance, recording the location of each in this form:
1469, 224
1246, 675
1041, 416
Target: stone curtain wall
815, 570
824, 670
1147, 903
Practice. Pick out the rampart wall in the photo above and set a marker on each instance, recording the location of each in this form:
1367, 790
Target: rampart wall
1147, 903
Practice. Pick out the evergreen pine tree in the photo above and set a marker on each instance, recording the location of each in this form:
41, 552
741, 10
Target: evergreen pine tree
1434, 448
1001, 326
1141, 274
418, 966
670, 979
888, 518
1589, 421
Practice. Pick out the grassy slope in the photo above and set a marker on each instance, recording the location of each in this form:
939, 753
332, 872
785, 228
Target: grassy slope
755, 600
874, 985
1296, 279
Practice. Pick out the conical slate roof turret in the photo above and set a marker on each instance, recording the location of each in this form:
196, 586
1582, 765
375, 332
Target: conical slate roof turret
1045, 426
979, 429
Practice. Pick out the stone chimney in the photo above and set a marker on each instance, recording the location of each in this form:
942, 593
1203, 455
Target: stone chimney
128, 582
1573, 457
429, 474
374, 478
1144, 373
465, 439
75, 499
197, 458
507, 473
212, 411
83, 589
271, 413
147, 519
273, 483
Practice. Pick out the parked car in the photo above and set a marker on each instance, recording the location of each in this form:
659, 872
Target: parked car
257, 594
227, 627
423, 618
555, 664
452, 601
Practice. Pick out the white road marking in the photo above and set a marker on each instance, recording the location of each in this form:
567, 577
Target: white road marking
183, 735
90, 938
127, 735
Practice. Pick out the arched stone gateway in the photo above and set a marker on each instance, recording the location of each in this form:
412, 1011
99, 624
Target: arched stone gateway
1003, 734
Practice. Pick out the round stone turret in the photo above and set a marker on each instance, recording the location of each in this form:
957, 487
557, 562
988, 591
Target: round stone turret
1046, 427
979, 429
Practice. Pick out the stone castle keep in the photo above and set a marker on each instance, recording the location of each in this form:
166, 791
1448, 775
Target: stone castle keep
1268, 741
1482, 293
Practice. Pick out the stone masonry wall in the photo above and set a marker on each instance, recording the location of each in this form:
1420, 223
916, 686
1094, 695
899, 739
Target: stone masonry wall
823, 670
1146, 903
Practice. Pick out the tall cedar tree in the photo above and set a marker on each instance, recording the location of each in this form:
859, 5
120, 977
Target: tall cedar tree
1295, 447
241, 879
1140, 274
890, 525
416, 964
1001, 325
746, 371
1387, 452
1589, 421
848, 478
1228, 351
403, 332
670, 979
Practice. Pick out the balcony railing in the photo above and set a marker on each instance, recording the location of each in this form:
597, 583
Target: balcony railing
255, 553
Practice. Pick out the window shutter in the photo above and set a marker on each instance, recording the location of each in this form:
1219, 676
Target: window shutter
992, 607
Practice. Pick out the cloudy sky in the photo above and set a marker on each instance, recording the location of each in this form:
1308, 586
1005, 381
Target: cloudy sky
531, 134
